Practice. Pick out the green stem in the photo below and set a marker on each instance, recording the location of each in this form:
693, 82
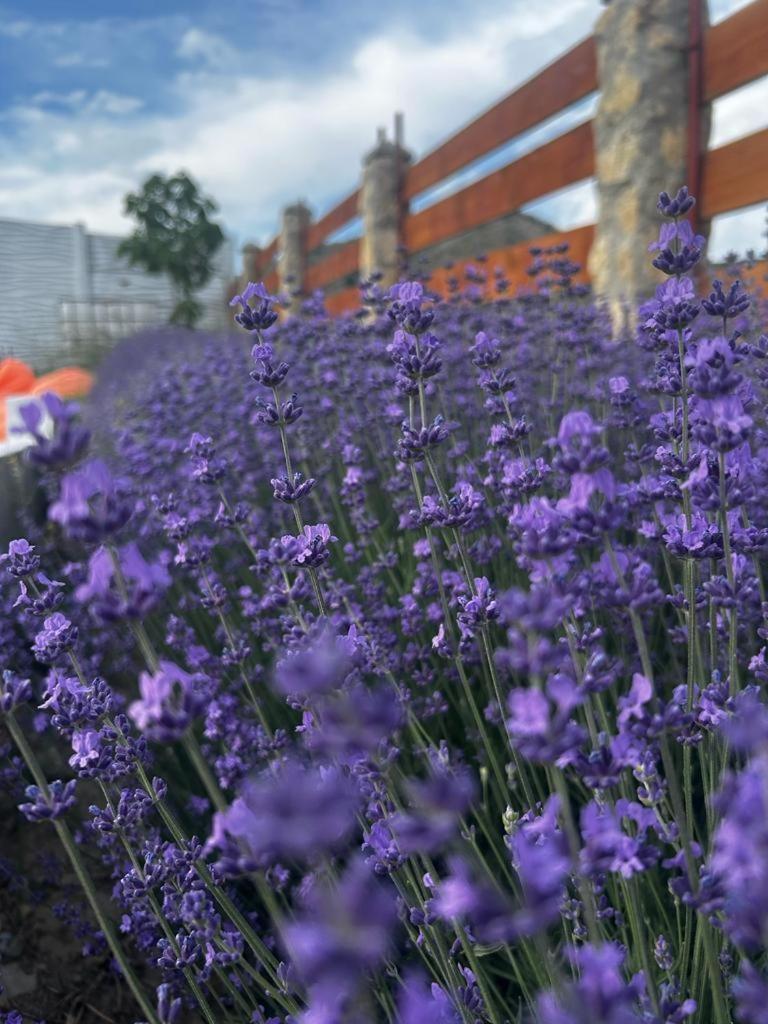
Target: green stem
730, 575
65, 837
195, 754
189, 976
574, 844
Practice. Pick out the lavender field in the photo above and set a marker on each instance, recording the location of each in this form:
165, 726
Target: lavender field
409, 666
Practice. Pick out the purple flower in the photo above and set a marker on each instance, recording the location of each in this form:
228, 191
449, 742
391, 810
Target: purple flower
461, 897
57, 636
68, 441
747, 729
420, 1002
540, 725
71, 703
433, 817
170, 699
740, 856
677, 206
722, 422
600, 996
146, 583
291, 491
354, 722
91, 504
295, 813
267, 373
285, 412
86, 748
169, 1005
207, 468
415, 359
310, 549
575, 428
726, 305
406, 308
679, 249
20, 559
414, 443
13, 692
750, 989
317, 667
345, 931
713, 370
259, 315
675, 306
440, 643
479, 609
607, 847
543, 863
553, 492
47, 806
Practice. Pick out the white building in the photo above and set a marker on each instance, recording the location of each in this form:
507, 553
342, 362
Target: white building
64, 292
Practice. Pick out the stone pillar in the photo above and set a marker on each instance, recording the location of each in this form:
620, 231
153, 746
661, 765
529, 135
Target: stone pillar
292, 266
251, 262
641, 141
380, 208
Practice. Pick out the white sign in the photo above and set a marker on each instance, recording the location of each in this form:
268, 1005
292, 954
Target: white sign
17, 437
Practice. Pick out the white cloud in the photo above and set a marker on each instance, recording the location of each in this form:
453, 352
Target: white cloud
739, 113
196, 44
260, 143
570, 207
75, 59
721, 9
78, 102
89, 196
112, 103
256, 143
74, 98
16, 29
738, 232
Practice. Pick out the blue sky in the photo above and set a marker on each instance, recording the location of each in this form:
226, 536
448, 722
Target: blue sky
264, 101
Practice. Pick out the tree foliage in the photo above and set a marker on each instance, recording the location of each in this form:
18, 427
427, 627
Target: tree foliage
174, 235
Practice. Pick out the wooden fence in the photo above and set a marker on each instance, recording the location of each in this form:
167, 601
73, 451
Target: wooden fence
733, 54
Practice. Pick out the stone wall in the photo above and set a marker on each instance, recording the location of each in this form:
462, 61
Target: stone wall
515, 227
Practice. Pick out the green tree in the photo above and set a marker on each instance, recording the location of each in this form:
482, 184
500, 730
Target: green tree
174, 236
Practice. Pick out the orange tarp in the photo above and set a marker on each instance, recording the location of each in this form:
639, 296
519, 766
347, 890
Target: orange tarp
16, 378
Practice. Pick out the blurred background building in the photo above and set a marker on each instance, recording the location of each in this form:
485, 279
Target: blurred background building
65, 294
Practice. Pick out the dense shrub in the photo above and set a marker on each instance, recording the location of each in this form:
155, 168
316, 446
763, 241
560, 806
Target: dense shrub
410, 666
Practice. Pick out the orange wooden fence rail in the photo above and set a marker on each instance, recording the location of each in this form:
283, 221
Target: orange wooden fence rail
735, 175
336, 218
339, 263
735, 53
514, 260
567, 159
736, 50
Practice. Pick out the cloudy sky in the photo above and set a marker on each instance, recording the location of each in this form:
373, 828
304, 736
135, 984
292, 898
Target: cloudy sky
265, 101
